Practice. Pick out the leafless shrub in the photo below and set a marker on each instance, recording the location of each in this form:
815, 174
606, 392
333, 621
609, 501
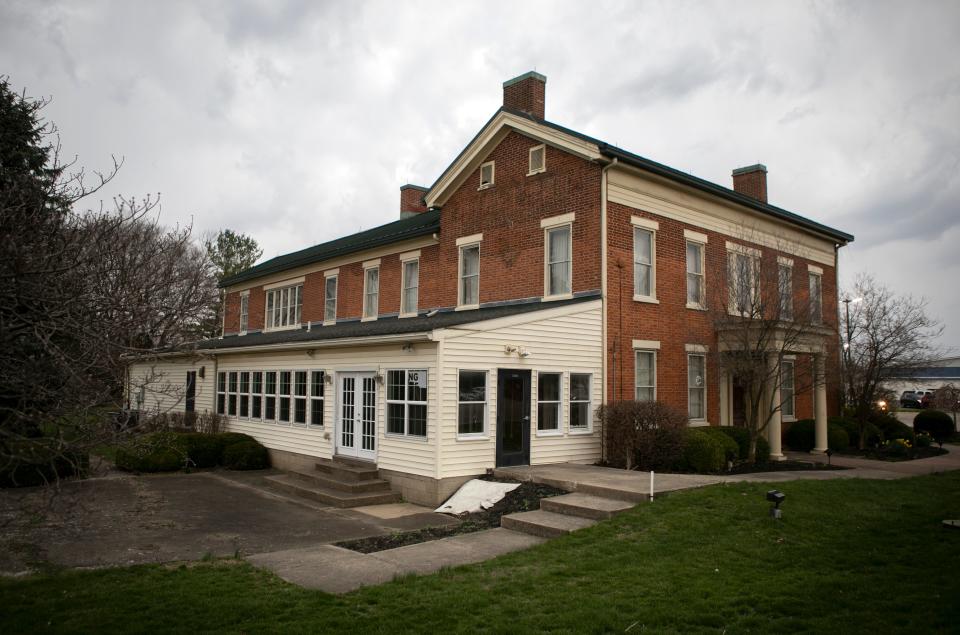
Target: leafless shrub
645, 434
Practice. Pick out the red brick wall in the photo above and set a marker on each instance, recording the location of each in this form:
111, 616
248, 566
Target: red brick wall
509, 213
674, 325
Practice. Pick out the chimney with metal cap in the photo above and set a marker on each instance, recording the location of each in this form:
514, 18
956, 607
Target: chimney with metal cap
751, 181
527, 93
411, 200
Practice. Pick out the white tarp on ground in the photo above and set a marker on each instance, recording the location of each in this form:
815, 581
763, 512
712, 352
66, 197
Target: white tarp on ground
476, 494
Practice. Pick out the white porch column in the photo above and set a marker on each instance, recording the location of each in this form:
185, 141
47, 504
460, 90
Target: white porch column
819, 405
773, 427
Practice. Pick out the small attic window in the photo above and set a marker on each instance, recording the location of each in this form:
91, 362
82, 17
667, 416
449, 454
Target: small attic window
538, 160
486, 175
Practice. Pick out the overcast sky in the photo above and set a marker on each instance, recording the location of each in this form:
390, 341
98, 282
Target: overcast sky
297, 122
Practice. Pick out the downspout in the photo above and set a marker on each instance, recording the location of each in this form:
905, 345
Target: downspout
603, 290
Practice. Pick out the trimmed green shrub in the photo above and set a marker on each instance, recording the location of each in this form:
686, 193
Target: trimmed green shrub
706, 451
246, 455
647, 434
801, 436
203, 450
742, 437
157, 452
731, 451
936, 423
852, 428
890, 427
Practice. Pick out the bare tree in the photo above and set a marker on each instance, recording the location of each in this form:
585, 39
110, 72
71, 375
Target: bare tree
763, 320
888, 336
78, 290
947, 399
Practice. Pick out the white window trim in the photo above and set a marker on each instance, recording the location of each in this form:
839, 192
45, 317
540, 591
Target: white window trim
547, 296
216, 403
311, 398
294, 397
650, 226
493, 175
274, 395
410, 255
786, 262
555, 221
815, 269
335, 274
460, 248
281, 395
406, 436
373, 264
558, 431
268, 316
241, 394
704, 420
543, 164
694, 237
284, 283
244, 299
653, 351
403, 285
469, 240
475, 436
699, 349
589, 429
743, 249
754, 260
652, 345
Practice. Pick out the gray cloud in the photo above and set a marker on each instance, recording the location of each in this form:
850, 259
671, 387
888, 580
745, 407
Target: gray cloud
297, 122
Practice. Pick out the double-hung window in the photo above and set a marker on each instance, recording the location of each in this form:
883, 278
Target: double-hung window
472, 403
410, 286
284, 306
407, 403
300, 397
696, 387
330, 299
743, 280
644, 259
469, 291
548, 402
232, 399
256, 394
645, 377
270, 396
316, 397
787, 390
559, 260
785, 288
244, 394
221, 393
284, 385
695, 281
244, 311
538, 160
371, 292
580, 411
816, 295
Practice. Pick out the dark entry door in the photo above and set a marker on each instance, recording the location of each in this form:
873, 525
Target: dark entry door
739, 405
190, 401
513, 417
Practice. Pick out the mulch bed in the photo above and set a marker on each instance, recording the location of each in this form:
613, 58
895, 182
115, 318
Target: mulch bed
522, 499
878, 454
772, 466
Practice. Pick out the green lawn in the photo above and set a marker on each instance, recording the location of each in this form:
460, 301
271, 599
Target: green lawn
848, 555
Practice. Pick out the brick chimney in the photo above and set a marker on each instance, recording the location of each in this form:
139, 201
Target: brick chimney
751, 181
526, 93
411, 200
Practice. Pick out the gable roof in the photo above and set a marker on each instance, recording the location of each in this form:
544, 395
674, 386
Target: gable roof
532, 126
412, 227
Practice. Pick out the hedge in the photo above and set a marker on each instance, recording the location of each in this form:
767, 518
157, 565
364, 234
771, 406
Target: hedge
936, 423
40, 471
801, 436
852, 428
172, 451
707, 450
246, 455
742, 438
647, 434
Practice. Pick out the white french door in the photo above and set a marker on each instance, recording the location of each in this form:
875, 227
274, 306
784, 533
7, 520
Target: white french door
357, 415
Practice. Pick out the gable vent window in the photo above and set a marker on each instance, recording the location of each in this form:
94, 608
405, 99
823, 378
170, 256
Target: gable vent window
538, 160
486, 175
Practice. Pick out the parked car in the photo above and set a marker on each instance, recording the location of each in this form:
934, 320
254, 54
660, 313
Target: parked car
915, 398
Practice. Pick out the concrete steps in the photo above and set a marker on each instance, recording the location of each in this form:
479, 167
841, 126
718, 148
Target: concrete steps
348, 470
329, 481
298, 486
545, 524
584, 506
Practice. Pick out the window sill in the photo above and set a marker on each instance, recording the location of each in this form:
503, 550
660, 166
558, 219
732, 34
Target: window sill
405, 437
554, 298
550, 433
698, 423
535, 172
369, 319
646, 298
473, 437
467, 307
329, 322
696, 307
580, 432
792, 419
485, 186
290, 327
408, 315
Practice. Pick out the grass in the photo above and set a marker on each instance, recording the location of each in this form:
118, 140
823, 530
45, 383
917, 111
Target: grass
851, 555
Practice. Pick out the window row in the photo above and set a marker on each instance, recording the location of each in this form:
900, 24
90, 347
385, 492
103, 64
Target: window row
274, 396
472, 402
743, 275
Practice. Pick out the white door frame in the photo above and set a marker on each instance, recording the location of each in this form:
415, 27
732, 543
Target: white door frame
363, 440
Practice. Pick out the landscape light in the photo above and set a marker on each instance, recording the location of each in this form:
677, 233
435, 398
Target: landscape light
776, 497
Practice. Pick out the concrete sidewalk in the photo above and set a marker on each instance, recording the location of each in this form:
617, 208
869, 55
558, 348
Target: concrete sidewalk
337, 570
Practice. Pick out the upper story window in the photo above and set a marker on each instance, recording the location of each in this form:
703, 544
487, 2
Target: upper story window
559, 261
410, 286
371, 291
486, 175
785, 288
815, 276
743, 279
538, 160
695, 287
244, 311
330, 299
469, 284
644, 259
284, 306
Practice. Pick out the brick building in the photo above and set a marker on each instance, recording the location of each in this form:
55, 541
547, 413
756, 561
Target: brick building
544, 272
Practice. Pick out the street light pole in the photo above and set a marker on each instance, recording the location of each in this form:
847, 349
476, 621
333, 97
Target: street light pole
846, 348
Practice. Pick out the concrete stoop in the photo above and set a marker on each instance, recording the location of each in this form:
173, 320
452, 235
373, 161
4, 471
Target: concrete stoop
560, 515
337, 482
585, 506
